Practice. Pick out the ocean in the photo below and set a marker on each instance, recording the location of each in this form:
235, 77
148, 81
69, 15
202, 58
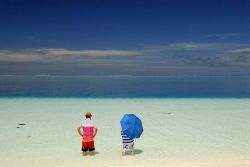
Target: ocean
188, 121
125, 86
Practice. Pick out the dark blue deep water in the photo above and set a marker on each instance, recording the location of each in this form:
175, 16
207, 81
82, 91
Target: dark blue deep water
124, 86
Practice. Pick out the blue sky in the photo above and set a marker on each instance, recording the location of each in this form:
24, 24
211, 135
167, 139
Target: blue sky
209, 37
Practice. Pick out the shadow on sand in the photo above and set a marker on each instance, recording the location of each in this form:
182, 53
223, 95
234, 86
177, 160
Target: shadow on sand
95, 153
128, 152
137, 151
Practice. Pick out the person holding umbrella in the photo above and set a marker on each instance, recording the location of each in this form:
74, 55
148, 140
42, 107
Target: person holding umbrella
131, 127
128, 144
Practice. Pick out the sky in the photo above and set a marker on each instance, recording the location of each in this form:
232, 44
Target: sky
123, 37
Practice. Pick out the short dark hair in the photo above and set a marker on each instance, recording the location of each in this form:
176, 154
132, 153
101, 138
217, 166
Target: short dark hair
88, 116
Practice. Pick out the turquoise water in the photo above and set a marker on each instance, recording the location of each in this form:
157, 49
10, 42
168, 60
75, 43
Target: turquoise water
187, 120
176, 131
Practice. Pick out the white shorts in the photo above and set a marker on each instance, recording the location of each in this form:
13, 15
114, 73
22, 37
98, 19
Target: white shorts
128, 146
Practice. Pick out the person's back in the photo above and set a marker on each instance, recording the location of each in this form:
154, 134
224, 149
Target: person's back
128, 144
88, 128
88, 133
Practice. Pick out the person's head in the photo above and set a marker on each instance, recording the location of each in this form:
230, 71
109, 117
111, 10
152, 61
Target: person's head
88, 115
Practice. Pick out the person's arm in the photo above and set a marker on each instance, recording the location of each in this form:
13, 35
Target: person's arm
79, 131
95, 132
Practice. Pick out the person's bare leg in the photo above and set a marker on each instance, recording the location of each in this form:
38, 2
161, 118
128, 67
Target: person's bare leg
132, 151
84, 153
123, 152
91, 153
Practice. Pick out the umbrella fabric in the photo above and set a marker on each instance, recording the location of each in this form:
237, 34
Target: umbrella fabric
131, 126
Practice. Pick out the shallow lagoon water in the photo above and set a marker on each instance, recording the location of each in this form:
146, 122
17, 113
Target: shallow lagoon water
178, 131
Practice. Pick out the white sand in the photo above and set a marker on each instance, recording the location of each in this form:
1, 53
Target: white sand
178, 132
